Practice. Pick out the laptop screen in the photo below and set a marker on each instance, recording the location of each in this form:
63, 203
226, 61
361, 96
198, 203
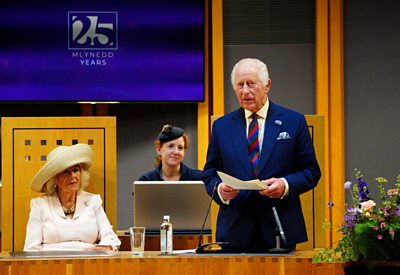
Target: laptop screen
186, 203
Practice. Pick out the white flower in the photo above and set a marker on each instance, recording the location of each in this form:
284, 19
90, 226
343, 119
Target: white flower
347, 185
368, 205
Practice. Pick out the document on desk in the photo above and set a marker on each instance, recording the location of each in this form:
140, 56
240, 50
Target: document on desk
235, 183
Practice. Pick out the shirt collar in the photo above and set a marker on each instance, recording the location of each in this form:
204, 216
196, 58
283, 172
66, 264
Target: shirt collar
262, 113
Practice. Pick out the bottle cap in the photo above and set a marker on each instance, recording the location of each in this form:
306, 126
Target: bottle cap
166, 217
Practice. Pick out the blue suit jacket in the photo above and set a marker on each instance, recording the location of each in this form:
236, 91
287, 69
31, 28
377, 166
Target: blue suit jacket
292, 157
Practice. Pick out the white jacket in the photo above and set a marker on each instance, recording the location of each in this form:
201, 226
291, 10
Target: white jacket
49, 228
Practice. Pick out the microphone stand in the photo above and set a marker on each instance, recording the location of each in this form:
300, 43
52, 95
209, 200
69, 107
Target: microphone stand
279, 235
213, 247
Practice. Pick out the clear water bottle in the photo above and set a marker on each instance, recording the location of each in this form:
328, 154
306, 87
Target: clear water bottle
166, 247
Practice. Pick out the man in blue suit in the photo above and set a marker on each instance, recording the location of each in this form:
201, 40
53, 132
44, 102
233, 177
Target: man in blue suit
285, 161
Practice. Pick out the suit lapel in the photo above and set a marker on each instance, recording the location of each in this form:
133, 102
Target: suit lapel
238, 135
271, 132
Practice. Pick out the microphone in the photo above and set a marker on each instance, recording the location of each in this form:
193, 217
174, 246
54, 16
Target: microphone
278, 249
213, 247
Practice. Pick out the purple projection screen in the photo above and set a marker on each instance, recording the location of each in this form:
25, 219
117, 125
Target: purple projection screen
118, 50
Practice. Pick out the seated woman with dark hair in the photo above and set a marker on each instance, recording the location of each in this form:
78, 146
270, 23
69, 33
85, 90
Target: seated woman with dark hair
66, 217
171, 146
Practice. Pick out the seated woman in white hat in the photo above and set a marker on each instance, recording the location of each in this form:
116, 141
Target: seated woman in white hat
171, 146
66, 217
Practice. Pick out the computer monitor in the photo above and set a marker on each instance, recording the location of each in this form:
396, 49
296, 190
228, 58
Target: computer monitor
186, 202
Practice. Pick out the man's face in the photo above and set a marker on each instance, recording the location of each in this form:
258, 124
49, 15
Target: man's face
250, 90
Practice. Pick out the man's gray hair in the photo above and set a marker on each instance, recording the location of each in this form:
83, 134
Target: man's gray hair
263, 74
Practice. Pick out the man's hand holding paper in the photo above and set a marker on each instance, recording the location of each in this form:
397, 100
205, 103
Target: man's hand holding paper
276, 188
226, 192
273, 188
235, 183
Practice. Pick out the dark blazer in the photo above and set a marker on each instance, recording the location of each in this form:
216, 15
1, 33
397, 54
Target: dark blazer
287, 151
187, 174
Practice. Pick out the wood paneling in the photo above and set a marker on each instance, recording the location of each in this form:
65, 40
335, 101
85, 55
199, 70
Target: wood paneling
330, 101
214, 77
313, 202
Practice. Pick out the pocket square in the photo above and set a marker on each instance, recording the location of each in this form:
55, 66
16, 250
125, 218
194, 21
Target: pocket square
283, 135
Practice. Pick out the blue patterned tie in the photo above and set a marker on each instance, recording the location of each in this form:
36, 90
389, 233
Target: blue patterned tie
252, 143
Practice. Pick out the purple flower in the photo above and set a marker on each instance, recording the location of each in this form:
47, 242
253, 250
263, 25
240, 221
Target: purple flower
386, 211
397, 212
330, 204
363, 192
353, 210
350, 219
347, 185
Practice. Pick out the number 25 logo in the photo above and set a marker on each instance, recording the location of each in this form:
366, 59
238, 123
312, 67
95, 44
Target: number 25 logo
92, 30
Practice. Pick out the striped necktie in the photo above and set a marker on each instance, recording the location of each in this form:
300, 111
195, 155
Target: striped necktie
252, 143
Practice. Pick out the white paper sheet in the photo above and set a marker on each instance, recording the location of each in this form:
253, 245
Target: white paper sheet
235, 183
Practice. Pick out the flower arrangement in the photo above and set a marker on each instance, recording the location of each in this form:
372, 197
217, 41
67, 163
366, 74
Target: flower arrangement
371, 231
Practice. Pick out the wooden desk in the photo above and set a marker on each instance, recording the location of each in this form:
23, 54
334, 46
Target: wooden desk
151, 264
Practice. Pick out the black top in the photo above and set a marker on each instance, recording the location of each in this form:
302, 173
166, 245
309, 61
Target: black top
187, 173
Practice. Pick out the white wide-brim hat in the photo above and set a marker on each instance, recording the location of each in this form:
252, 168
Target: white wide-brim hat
59, 159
